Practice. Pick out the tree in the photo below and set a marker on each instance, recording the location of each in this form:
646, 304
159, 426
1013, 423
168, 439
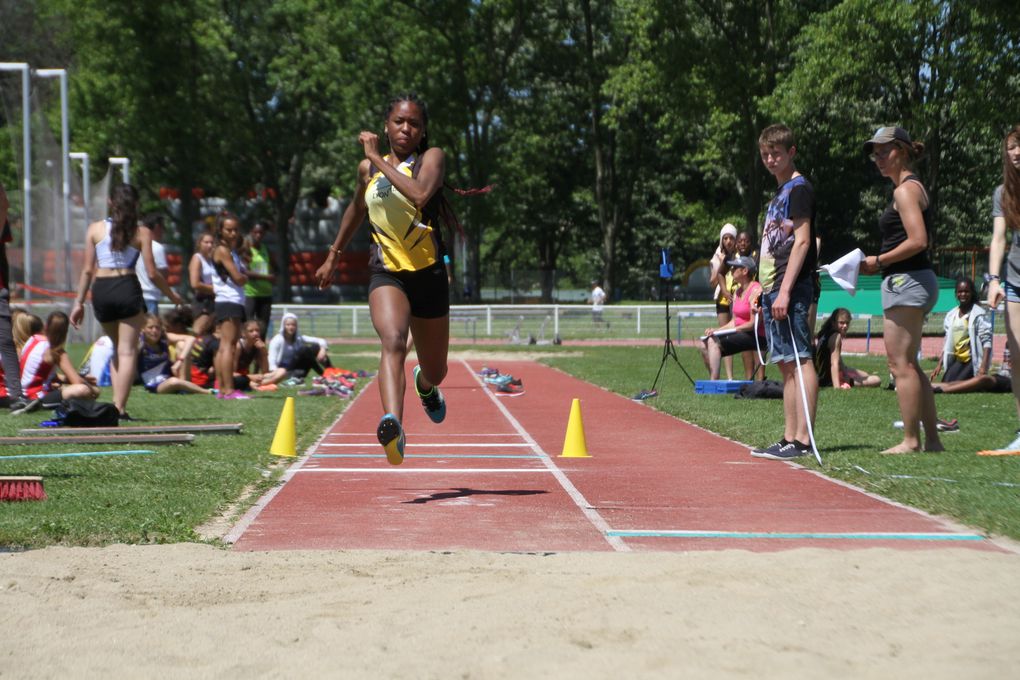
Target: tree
937, 69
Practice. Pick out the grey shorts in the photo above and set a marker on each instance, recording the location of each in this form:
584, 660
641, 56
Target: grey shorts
911, 289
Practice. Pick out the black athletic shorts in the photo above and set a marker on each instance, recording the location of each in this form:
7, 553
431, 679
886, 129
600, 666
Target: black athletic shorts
723, 309
427, 290
229, 310
117, 297
735, 343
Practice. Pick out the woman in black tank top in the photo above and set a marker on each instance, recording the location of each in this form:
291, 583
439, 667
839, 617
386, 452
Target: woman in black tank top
909, 287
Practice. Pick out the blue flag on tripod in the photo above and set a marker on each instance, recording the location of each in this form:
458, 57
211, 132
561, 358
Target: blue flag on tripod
666, 266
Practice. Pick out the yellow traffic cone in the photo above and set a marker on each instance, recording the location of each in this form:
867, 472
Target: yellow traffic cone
574, 445
285, 439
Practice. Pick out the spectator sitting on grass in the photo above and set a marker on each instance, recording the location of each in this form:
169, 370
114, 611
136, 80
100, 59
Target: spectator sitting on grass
968, 347
1000, 382
203, 353
177, 324
253, 357
832, 371
296, 353
41, 350
155, 364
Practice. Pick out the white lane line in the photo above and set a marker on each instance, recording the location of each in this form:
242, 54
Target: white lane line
413, 470
579, 500
468, 445
444, 435
249, 517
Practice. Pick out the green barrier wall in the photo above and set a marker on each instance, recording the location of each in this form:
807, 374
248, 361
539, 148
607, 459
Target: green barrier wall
868, 299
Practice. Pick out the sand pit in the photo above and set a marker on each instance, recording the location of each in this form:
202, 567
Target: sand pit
199, 611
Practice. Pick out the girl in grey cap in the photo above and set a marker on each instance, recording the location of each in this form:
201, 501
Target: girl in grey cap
909, 286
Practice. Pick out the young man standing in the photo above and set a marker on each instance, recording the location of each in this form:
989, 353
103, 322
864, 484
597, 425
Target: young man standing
788, 260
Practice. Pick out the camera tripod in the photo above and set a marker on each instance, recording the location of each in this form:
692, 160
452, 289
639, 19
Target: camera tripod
668, 351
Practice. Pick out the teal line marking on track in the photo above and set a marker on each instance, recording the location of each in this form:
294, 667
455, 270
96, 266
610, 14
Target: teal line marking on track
77, 455
422, 455
807, 535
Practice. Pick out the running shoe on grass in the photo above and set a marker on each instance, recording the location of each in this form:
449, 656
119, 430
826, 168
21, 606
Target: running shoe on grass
1010, 449
942, 425
23, 405
391, 435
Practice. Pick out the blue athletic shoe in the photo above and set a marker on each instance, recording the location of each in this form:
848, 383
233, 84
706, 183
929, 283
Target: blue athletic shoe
391, 436
433, 402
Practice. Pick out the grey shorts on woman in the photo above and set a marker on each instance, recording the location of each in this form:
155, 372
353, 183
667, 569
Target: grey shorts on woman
918, 288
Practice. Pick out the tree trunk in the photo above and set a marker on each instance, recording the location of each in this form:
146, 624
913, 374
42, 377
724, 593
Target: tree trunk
603, 160
285, 204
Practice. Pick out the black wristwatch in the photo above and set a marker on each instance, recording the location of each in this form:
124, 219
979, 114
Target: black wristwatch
991, 277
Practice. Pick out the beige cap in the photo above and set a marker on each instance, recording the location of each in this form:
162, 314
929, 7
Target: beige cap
884, 135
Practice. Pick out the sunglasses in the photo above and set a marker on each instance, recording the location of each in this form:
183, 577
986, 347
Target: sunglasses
880, 155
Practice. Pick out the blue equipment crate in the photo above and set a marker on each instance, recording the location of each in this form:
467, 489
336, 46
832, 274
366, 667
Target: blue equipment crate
719, 386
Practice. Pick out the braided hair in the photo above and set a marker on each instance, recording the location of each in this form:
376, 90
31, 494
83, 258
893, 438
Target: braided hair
438, 205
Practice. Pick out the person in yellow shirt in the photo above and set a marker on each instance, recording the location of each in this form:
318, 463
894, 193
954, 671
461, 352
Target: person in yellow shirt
968, 347
401, 194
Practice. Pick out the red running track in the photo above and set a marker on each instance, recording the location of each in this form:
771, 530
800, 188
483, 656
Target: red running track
490, 478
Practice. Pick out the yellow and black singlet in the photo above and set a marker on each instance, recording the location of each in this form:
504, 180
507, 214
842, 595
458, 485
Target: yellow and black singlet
404, 238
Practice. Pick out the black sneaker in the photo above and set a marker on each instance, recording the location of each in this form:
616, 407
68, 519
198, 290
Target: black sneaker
804, 448
124, 417
391, 435
781, 450
22, 405
433, 402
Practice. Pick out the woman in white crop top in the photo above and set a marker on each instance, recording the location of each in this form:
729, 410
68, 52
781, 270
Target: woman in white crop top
228, 286
200, 274
111, 249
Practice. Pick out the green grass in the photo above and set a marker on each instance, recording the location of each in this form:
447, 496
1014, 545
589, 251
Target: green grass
165, 496
852, 427
159, 498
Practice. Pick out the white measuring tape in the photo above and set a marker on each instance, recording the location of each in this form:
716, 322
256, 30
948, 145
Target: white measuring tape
800, 381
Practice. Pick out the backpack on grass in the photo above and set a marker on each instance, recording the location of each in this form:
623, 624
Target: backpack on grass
763, 389
87, 413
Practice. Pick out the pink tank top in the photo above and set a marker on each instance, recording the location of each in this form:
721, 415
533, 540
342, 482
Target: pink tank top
742, 306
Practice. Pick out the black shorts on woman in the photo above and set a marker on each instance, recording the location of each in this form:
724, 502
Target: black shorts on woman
228, 311
115, 298
738, 342
427, 290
